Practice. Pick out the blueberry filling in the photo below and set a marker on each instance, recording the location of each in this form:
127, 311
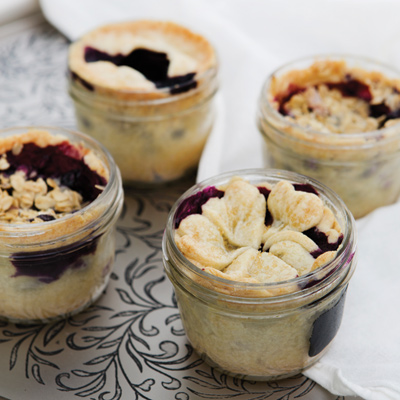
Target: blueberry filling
268, 220
152, 64
321, 240
46, 217
326, 326
63, 162
305, 187
192, 205
349, 88
352, 88
283, 99
84, 83
48, 266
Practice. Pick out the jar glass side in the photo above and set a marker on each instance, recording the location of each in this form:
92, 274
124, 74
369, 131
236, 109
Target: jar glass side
272, 346
153, 141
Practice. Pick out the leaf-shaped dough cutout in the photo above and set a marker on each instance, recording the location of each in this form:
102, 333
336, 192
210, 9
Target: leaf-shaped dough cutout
297, 209
329, 226
201, 242
293, 236
269, 268
239, 214
263, 267
323, 259
293, 254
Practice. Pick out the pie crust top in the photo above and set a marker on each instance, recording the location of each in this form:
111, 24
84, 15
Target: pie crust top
140, 56
258, 234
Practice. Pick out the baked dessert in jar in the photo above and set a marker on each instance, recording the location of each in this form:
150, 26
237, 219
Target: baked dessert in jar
145, 89
336, 119
60, 197
260, 261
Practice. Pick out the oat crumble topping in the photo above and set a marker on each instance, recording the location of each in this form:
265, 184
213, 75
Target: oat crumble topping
331, 97
29, 197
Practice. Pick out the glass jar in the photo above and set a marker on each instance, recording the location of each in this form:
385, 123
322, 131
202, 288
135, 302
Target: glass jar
56, 268
363, 168
235, 326
156, 135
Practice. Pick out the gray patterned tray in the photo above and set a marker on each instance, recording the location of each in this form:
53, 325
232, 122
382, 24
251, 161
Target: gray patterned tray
130, 344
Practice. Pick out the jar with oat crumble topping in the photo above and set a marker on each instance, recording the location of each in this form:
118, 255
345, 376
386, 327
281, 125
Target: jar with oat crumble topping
255, 298
60, 197
336, 119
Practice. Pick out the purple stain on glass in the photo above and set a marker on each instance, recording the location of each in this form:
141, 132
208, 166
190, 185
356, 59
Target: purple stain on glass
62, 161
193, 204
48, 266
321, 240
268, 217
326, 326
152, 64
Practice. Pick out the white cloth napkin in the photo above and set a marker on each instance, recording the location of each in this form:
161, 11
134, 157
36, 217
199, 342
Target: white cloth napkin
10, 10
253, 37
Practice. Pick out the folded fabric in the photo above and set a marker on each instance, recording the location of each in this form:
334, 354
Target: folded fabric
11, 10
253, 38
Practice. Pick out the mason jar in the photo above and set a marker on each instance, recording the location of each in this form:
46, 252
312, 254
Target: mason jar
363, 167
262, 331
156, 135
56, 267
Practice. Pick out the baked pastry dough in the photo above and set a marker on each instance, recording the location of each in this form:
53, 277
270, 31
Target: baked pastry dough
134, 59
231, 239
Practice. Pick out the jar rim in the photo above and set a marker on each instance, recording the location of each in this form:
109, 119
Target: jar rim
113, 182
343, 258
266, 108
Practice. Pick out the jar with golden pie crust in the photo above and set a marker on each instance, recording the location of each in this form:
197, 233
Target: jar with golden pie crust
336, 119
145, 89
60, 197
247, 328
